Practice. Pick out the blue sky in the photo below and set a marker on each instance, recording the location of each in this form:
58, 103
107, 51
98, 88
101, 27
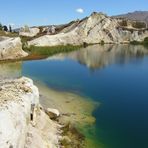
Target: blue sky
42, 12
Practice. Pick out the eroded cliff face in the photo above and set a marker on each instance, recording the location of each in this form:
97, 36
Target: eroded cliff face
23, 122
11, 48
94, 29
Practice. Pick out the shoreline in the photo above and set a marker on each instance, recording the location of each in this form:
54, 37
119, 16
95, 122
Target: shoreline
34, 125
76, 111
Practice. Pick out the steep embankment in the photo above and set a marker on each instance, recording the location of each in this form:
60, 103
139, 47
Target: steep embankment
94, 29
23, 122
11, 48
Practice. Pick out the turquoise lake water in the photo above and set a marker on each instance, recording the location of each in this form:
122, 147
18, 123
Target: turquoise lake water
115, 76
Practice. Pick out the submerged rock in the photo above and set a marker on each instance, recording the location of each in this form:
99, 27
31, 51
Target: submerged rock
11, 48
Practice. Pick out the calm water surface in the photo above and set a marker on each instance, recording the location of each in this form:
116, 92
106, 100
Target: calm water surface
115, 76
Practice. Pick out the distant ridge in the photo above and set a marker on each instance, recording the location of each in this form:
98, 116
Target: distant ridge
136, 15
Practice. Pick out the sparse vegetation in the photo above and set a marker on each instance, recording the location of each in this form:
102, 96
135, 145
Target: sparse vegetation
139, 25
144, 42
47, 51
72, 137
8, 34
123, 23
135, 42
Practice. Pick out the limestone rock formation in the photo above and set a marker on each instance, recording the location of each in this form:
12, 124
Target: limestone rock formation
93, 29
29, 32
23, 123
11, 48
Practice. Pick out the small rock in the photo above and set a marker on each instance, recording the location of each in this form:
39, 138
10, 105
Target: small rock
52, 113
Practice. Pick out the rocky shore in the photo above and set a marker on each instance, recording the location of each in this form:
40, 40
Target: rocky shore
25, 123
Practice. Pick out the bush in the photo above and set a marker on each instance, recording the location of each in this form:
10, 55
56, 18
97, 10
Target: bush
1, 27
135, 43
146, 40
139, 25
102, 42
5, 28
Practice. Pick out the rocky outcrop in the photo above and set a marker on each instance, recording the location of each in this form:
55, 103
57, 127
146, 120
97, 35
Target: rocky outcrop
94, 29
29, 32
11, 48
23, 122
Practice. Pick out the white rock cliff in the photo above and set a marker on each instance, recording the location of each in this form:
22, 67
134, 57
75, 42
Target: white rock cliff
94, 29
23, 123
11, 48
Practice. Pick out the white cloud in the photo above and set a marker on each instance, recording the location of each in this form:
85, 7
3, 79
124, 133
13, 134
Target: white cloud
80, 10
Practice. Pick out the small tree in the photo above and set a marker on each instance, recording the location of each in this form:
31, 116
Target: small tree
102, 42
1, 27
5, 28
10, 28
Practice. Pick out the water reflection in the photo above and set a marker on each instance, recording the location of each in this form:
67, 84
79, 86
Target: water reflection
98, 56
10, 70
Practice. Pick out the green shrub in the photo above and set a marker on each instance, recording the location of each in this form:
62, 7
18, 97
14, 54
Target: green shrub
1, 27
146, 40
135, 43
102, 42
139, 25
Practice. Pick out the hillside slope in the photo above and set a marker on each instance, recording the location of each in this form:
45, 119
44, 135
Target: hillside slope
94, 29
137, 15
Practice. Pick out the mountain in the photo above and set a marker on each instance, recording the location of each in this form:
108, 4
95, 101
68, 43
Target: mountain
137, 15
96, 28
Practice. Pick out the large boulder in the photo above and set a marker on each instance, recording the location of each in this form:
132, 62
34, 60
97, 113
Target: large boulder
11, 48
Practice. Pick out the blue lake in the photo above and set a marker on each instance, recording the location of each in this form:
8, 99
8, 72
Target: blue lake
114, 75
